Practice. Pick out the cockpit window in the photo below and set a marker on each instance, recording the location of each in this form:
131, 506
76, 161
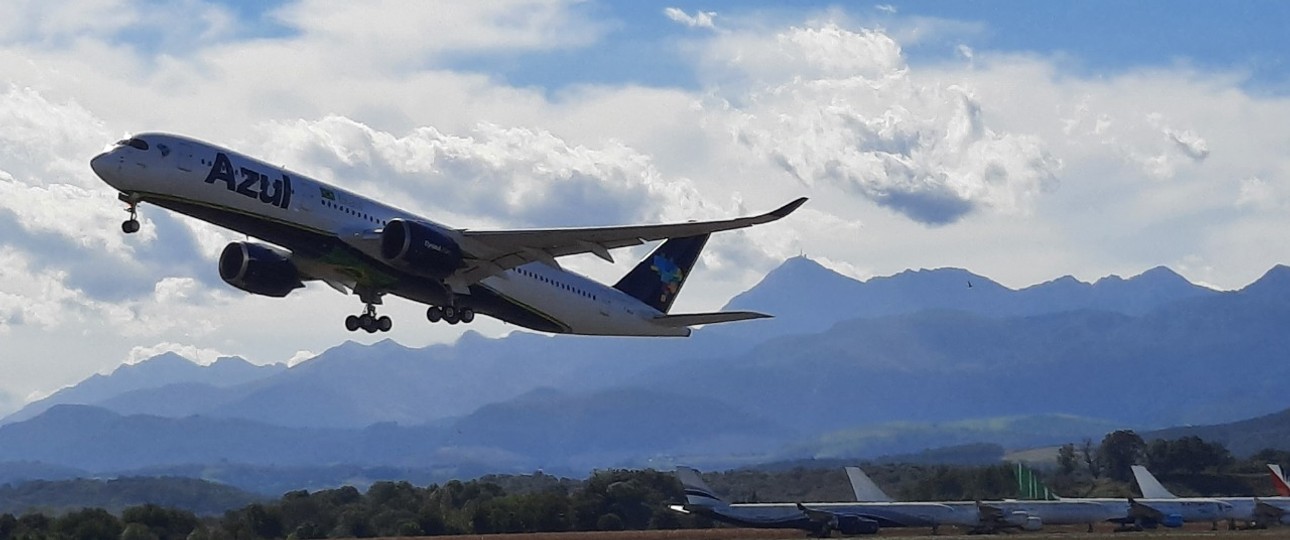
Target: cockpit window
133, 143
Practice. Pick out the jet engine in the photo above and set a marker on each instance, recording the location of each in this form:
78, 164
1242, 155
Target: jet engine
1025, 521
422, 248
853, 525
259, 269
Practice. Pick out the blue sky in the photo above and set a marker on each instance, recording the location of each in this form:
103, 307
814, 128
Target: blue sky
1091, 37
1021, 140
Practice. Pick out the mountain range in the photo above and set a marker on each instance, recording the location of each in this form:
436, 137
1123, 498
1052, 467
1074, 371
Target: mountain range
847, 368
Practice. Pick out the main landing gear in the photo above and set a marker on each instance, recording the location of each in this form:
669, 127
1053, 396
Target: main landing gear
130, 226
368, 321
450, 314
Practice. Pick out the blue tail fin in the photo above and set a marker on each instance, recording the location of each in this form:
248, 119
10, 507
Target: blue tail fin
658, 279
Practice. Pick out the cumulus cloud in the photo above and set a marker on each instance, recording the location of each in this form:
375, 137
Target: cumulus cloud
844, 110
700, 19
195, 354
397, 31
1189, 143
517, 176
886, 8
1257, 193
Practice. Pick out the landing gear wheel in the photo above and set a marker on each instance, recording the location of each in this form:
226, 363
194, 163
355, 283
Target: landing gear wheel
467, 315
384, 324
130, 226
434, 314
449, 313
351, 323
367, 322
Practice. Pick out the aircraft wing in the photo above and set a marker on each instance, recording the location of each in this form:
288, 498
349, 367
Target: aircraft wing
493, 252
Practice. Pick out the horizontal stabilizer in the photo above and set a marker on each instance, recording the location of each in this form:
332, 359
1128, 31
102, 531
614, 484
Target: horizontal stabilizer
691, 319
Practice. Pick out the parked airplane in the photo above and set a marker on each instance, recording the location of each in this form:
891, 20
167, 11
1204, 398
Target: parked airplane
1151, 511
862, 517
1008, 514
355, 244
1254, 511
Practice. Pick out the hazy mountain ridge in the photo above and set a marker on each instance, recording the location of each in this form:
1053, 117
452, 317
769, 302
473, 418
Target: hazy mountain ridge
898, 364
156, 372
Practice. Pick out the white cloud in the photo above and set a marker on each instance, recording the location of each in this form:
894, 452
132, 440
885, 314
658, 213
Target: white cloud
846, 111
700, 19
886, 8
1189, 143
300, 356
519, 176
394, 32
195, 354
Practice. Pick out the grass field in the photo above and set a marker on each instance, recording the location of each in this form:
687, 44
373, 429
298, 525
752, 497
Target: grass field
1049, 533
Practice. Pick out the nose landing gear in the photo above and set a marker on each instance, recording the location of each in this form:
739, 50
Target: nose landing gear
130, 226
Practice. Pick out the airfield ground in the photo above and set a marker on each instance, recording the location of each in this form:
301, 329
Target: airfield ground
1049, 533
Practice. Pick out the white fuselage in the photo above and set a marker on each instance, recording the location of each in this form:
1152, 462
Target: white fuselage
251, 196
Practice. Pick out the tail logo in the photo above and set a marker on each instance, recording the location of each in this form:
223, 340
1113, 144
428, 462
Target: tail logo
669, 274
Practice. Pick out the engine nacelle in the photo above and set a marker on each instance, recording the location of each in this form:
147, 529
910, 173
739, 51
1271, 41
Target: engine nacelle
853, 525
423, 249
1172, 521
258, 269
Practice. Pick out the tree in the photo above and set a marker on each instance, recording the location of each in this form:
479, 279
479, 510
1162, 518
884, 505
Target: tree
89, 524
1190, 455
165, 523
1119, 452
1090, 458
1067, 461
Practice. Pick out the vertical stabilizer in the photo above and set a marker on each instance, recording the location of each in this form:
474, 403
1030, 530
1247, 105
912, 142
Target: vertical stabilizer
1150, 487
697, 492
866, 490
1279, 480
1030, 488
658, 279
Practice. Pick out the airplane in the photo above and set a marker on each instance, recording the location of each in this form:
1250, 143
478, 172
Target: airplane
1256, 511
861, 517
1153, 510
820, 519
320, 232
995, 516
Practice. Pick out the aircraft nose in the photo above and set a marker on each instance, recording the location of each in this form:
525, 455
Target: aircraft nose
102, 165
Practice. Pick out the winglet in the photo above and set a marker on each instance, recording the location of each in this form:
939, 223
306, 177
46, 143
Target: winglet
788, 208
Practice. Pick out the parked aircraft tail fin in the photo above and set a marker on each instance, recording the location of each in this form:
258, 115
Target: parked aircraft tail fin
697, 492
1279, 480
1150, 487
866, 490
1029, 487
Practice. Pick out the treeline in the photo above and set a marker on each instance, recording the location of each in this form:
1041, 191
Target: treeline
638, 499
607, 501
58, 496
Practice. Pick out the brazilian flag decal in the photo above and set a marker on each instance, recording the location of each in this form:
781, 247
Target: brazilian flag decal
327, 194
